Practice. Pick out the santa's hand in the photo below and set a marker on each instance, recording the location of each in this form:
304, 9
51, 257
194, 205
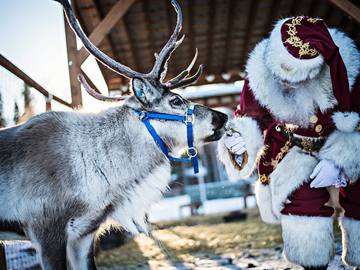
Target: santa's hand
325, 174
235, 143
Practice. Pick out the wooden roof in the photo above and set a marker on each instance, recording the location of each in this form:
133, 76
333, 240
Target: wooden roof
224, 31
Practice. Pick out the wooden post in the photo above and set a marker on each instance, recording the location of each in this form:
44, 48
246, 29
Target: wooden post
348, 7
74, 66
48, 102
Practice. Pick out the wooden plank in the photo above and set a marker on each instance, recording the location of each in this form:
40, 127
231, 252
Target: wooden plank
230, 29
249, 27
105, 26
107, 74
29, 81
74, 66
348, 7
210, 36
275, 6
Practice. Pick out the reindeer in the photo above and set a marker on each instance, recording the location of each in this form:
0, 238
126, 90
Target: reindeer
63, 174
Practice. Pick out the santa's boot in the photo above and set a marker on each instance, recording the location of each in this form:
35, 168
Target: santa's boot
308, 241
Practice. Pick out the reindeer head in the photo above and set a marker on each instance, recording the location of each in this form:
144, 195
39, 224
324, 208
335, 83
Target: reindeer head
150, 91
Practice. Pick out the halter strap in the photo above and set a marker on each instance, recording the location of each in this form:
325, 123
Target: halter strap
187, 119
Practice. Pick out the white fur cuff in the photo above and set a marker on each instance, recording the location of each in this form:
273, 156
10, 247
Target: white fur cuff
250, 131
343, 148
308, 241
263, 200
351, 241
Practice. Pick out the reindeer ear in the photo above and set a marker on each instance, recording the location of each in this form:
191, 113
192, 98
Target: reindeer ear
144, 91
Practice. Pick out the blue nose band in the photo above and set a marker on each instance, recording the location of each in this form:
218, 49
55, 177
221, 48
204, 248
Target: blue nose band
188, 119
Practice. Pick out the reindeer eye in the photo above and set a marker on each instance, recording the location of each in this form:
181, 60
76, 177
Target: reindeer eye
177, 101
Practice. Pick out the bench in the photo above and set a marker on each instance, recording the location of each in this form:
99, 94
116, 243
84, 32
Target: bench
217, 190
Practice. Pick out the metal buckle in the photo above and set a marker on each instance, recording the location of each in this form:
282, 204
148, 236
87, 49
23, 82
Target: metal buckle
307, 144
189, 118
142, 115
191, 149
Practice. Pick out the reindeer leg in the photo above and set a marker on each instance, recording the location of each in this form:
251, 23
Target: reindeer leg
51, 247
80, 252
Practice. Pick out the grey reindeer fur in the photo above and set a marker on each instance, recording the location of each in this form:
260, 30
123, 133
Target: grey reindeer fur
63, 174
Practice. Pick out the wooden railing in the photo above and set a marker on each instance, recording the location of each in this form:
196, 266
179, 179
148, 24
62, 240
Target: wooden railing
30, 82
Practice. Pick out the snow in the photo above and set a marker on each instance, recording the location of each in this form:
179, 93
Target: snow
169, 208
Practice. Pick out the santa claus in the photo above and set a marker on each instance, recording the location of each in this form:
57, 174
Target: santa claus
298, 120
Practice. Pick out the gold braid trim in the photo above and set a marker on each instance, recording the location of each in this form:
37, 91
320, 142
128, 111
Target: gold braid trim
294, 40
281, 154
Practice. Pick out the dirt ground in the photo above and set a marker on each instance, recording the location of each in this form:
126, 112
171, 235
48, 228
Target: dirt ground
205, 243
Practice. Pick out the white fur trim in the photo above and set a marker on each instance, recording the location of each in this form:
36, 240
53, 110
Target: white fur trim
347, 121
343, 148
350, 229
289, 175
263, 200
308, 241
250, 131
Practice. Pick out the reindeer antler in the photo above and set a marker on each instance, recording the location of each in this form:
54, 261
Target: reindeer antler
159, 69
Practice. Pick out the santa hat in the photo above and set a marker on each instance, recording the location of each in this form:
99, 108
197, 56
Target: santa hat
305, 43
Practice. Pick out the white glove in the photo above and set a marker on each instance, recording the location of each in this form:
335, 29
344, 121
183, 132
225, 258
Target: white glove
235, 143
327, 174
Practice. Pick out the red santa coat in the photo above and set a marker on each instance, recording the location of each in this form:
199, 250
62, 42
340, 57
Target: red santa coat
263, 108
305, 200
267, 104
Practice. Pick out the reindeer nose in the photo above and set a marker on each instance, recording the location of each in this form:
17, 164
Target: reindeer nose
219, 119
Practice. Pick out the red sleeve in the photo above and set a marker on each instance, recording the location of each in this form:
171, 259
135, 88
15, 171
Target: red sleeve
249, 106
355, 96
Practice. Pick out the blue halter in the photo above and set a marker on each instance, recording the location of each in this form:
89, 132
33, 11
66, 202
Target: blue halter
187, 119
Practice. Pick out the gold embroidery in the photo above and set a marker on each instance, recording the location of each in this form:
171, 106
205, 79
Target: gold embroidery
264, 179
313, 20
281, 154
294, 40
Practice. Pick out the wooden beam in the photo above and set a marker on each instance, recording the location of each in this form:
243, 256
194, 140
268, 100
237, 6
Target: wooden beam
108, 39
348, 7
105, 26
191, 25
294, 8
249, 27
74, 66
29, 81
230, 29
275, 5
146, 11
210, 36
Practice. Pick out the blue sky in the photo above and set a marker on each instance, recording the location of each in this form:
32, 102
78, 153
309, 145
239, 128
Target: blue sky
32, 36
